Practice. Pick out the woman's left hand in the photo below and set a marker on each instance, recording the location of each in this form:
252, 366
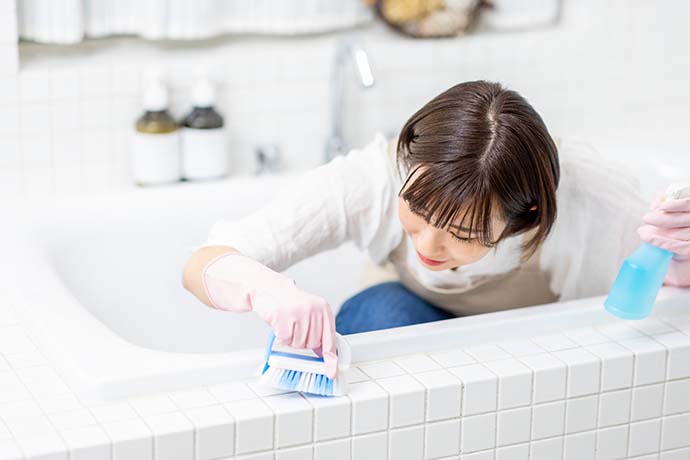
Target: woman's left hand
667, 226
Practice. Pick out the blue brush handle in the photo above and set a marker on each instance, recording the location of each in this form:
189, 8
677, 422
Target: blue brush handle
269, 352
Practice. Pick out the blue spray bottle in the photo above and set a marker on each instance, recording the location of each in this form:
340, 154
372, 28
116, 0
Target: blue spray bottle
642, 274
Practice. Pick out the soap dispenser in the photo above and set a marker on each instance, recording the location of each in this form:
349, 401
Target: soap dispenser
155, 152
203, 136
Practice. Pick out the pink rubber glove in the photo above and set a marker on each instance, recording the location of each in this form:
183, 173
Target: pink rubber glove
668, 226
235, 282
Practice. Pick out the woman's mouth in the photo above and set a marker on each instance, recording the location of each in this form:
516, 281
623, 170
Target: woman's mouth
428, 261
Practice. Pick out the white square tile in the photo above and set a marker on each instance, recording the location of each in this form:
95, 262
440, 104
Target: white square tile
547, 449
152, 405
516, 452
554, 342
644, 437
113, 412
677, 398
548, 420
214, 431
586, 336
520, 348
678, 346
331, 416
478, 432
332, 450
132, 440
72, 419
294, 419
616, 365
614, 408
650, 360
406, 443
485, 455
442, 439
369, 407
261, 456
4, 431
484, 353
31, 425
619, 331
443, 394
89, 443
480, 387
580, 446
233, 391
650, 326
680, 454
581, 414
452, 358
370, 447
192, 398
674, 431
406, 400
9, 450
612, 442
265, 390
514, 426
549, 377
254, 424
354, 375
295, 453
417, 363
26, 358
59, 403
173, 435
44, 447
583, 371
514, 383
381, 369
647, 402
18, 409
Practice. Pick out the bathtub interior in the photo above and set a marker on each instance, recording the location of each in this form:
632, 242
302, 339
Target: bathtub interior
122, 259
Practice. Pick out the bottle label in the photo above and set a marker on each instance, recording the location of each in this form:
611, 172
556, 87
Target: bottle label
203, 153
155, 158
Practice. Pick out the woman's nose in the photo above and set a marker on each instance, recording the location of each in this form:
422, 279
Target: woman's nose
428, 243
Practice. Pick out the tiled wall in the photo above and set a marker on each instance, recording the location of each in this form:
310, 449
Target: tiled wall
614, 391
614, 72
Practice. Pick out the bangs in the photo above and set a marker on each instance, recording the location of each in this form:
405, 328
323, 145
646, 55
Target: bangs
444, 197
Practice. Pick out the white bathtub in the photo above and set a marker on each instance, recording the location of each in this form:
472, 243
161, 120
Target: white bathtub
97, 283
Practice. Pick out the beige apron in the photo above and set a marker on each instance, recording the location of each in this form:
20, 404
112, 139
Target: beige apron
523, 286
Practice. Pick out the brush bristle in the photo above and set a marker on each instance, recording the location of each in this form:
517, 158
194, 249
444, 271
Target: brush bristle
306, 382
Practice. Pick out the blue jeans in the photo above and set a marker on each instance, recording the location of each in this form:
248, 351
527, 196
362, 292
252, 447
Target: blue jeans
383, 306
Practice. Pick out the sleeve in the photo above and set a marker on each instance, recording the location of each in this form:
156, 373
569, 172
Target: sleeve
345, 199
600, 206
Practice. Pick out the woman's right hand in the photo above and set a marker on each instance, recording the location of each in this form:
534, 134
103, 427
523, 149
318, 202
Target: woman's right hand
235, 282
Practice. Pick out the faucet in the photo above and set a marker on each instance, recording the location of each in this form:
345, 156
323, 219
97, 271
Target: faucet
268, 159
346, 49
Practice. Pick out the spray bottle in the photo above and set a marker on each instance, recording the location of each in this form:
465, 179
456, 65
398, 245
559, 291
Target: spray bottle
642, 274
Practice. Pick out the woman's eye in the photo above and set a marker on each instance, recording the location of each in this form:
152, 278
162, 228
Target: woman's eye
463, 239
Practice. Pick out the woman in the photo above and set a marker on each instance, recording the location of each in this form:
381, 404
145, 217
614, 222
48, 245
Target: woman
464, 204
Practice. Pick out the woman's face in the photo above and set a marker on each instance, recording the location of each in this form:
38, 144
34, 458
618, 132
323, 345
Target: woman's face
440, 249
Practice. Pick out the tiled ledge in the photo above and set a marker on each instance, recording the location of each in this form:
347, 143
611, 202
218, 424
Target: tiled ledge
620, 391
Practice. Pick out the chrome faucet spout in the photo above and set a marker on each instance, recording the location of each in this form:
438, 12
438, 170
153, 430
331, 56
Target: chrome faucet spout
346, 50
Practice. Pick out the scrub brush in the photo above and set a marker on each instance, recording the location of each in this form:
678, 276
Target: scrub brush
303, 370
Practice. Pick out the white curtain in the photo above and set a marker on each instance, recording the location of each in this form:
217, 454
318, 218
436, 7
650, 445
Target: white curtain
70, 21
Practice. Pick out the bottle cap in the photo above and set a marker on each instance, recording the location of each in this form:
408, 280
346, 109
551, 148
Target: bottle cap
155, 97
203, 93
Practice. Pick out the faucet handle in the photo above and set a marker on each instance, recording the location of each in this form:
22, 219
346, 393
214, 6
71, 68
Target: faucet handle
268, 158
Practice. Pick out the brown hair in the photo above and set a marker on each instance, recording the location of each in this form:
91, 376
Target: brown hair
483, 147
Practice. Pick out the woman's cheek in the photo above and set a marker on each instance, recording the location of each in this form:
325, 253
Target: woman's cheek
469, 253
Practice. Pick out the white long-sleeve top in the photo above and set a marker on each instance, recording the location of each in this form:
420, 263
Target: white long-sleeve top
354, 197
